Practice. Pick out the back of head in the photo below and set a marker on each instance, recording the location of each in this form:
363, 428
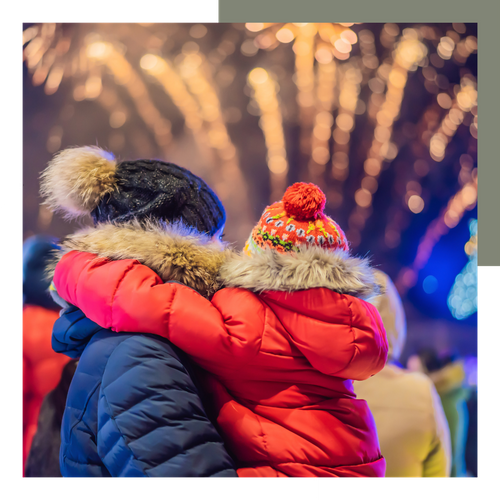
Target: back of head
37, 252
296, 222
446, 369
297, 246
89, 181
391, 311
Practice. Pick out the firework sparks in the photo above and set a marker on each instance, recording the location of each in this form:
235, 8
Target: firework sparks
330, 98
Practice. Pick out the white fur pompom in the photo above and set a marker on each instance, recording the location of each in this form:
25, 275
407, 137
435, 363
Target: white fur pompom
76, 179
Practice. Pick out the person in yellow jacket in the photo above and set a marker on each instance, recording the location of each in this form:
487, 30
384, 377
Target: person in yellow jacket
411, 424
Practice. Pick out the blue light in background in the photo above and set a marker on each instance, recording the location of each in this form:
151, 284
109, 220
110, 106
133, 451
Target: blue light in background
470, 368
430, 284
462, 299
446, 261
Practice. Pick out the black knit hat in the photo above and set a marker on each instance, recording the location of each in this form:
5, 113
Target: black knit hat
162, 191
89, 181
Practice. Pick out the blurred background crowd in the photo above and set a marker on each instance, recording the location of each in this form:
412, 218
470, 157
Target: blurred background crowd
383, 117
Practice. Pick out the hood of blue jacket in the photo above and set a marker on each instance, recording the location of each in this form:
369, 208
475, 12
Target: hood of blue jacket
72, 332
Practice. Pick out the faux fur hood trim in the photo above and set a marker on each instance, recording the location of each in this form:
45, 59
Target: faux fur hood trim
312, 267
173, 251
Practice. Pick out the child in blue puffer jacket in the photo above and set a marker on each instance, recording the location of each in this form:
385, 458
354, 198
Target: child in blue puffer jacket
133, 407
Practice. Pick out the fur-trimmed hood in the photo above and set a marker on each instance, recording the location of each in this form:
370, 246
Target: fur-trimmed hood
173, 251
181, 254
312, 267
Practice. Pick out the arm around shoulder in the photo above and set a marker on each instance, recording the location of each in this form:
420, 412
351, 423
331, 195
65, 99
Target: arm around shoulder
369, 341
126, 296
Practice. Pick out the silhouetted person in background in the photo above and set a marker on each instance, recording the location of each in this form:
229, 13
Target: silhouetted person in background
447, 373
42, 367
43, 458
411, 425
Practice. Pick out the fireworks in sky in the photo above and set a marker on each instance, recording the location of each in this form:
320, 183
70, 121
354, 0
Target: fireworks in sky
383, 117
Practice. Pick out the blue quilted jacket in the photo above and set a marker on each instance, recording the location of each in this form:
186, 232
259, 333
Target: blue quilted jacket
132, 407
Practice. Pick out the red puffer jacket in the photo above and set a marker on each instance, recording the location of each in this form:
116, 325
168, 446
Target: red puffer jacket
42, 367
283, 360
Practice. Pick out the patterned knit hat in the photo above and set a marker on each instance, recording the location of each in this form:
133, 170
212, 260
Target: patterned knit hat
297, 220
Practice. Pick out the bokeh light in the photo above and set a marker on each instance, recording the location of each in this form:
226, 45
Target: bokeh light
462, 299
430, 284
383, 117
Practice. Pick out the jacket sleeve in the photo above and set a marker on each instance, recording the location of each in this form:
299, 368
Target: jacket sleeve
370, 346
438, 462
151, 421
126, 296
357, 349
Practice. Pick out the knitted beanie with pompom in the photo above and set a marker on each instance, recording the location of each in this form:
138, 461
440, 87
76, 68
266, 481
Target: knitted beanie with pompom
89, 181
296, 221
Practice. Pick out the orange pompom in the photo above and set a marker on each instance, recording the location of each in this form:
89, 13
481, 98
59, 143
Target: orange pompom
304, 201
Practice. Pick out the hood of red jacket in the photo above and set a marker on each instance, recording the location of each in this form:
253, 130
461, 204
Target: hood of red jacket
312, 267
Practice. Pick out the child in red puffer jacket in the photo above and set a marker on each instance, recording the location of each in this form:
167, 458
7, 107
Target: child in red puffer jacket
280, 344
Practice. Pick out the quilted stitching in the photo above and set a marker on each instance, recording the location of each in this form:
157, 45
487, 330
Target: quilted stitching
133, 410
